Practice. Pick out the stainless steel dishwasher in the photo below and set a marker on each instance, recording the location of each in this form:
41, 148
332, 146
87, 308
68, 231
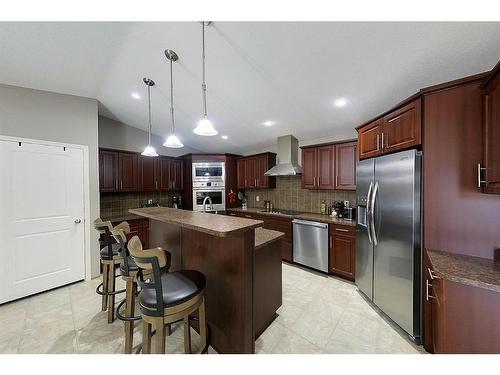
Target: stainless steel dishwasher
310, 244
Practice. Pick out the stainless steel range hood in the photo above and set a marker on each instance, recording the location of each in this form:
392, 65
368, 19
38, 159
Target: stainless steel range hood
288, 156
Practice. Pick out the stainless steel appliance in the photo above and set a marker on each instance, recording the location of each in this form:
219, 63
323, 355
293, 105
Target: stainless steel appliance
388, 237
217, 195
310, 244
214, 172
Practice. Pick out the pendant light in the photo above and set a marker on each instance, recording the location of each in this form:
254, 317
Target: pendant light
149, 150
204, 127
172, 140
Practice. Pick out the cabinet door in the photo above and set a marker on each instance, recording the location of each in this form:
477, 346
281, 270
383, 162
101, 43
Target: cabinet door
163, 174
128, 171
346, 158
401, 128
176, 176
147, 173
241, 173
369, 140
309, 168
492, 137
325, 178
250, 173
438, 322
261, 168
108, 171
342, 255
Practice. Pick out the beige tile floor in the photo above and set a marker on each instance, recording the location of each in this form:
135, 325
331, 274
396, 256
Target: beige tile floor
319, 314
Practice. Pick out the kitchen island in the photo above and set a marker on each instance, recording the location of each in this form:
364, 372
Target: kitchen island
241, 262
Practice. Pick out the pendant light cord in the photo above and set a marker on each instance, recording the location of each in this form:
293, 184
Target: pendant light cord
203, 85
172, 98
149, 110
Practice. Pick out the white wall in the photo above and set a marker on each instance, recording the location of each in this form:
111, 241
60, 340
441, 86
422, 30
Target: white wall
55, 117
116, 135
333, 138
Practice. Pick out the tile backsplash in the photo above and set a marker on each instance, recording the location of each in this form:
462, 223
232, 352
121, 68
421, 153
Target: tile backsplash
289, 195
118, 204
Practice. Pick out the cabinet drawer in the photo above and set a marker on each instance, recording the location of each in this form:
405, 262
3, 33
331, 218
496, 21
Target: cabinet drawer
346, 230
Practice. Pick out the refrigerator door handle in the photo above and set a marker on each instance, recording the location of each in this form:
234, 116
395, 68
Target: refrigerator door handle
368, 225
372, 221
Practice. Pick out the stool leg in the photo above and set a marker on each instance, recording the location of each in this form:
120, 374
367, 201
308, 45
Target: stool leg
168, 330
130, 311
105, 275
160, 336
187, 336
111, 288
203, 324
146, 337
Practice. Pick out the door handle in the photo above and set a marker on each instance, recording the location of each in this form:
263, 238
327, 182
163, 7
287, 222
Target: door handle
368, 220
78, 221
427, 294
374, 197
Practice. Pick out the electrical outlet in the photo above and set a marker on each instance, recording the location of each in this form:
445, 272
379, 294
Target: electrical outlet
257, 198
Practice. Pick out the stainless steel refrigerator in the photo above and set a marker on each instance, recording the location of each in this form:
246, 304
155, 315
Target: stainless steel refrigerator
388, 236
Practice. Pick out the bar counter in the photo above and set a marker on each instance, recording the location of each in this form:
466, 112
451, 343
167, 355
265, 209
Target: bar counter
241, 262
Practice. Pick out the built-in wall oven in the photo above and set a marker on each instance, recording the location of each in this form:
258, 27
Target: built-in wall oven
216, 194
209, 172
209, 180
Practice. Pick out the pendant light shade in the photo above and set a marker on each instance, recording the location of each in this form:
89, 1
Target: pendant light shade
204, 127
172, 140
149, 150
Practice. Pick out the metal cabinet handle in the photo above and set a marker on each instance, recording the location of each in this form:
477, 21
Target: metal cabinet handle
314, 181
121, 184
331, 243
246, 182
341, 230
427, 294
336, 180
432, 275
382, 139
479, 181
378, 143
156, 184
248, 216
319, 181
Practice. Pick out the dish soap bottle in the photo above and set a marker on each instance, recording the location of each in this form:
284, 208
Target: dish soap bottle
323, 207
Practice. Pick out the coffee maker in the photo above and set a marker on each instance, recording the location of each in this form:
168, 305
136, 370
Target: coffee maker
176, 201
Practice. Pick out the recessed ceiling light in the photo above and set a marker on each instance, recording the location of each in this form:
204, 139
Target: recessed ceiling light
135, 95
340, 102
268, 123
224, 137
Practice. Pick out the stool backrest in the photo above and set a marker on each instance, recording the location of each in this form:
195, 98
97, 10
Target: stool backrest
105, 228
121, 238
156, 260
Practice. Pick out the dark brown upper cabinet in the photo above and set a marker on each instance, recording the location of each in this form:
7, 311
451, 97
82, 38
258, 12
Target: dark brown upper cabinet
128, 171
369, 140
147, 173
346, 158
108, 171
250, 171
398, 130
322, 170
489, 174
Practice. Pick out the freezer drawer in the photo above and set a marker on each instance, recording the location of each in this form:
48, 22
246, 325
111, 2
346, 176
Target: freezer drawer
310, 244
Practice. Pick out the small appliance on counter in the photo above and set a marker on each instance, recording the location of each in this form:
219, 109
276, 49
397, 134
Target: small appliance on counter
350, 213
150, 203
339, 207
176, 201
244, 204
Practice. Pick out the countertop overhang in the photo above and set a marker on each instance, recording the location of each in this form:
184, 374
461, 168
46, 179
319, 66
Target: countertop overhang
213, 224
469, 270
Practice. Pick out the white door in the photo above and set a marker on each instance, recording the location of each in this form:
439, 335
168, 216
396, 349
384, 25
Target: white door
41, 218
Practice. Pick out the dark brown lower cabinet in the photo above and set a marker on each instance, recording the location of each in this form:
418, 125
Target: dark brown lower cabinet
459, 318
342, 250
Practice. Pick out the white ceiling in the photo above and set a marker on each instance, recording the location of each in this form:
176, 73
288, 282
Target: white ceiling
289, 73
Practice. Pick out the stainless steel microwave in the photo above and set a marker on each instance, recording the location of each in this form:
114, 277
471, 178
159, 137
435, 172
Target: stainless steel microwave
209, 172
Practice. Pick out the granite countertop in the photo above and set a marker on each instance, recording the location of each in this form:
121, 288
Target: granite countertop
479, 272
299, 215
213, 224
265, 236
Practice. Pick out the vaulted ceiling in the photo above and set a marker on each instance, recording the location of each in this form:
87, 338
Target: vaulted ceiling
289, 73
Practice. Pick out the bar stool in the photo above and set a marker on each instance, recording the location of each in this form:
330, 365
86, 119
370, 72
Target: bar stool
110, 260
167, 297
128, 271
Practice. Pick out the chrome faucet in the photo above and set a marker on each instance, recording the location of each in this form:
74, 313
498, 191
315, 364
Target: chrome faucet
211, 207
